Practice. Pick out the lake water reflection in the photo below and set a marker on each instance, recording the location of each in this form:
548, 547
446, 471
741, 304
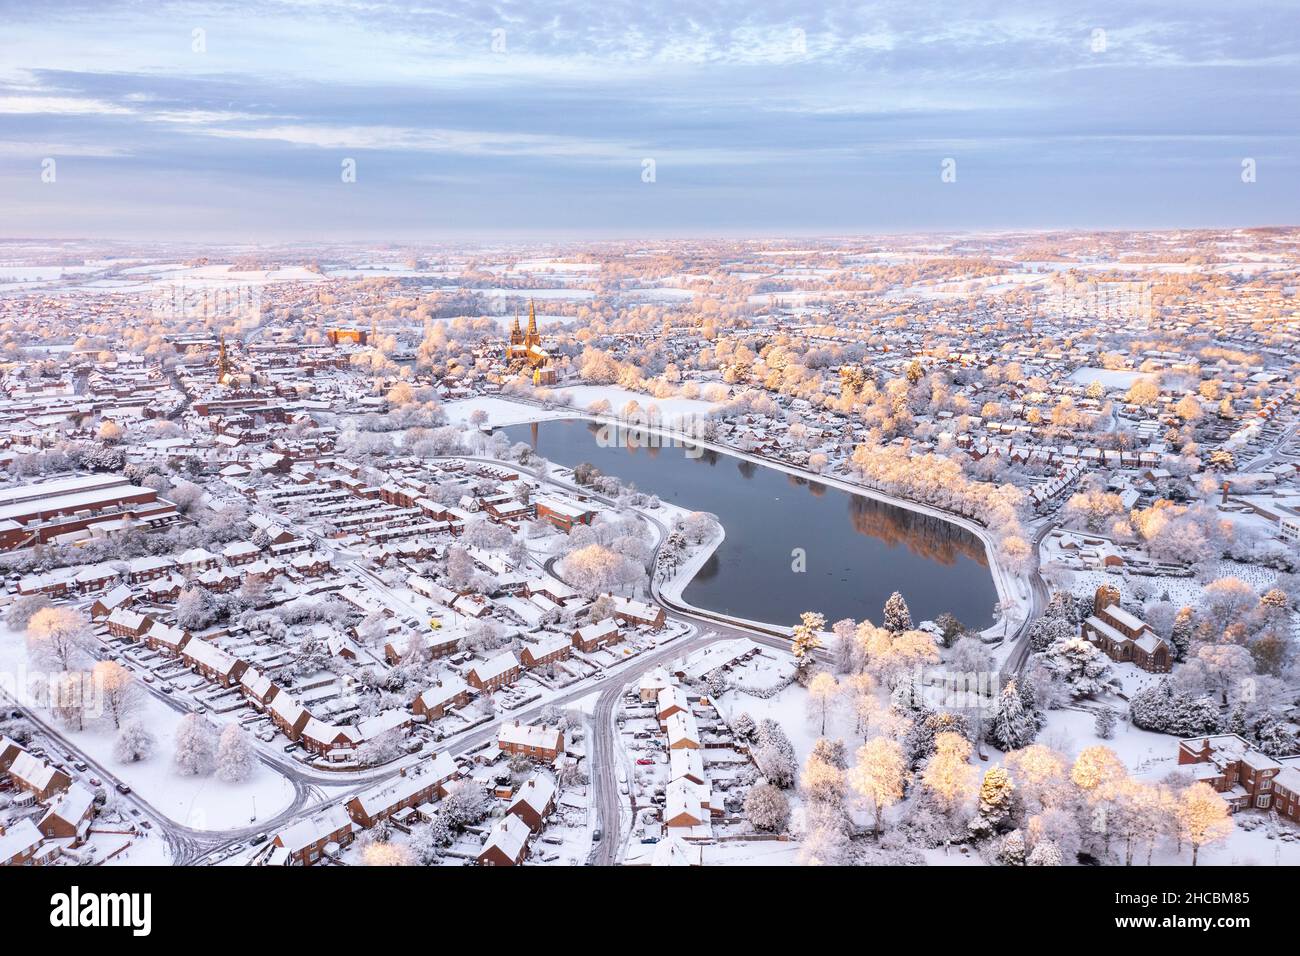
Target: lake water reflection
858, 550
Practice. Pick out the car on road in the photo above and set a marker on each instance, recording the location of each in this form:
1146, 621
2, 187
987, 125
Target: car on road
290, 748
258, 840
81, 766
96, 782
146, 824
645, 762
123, 788
596, 834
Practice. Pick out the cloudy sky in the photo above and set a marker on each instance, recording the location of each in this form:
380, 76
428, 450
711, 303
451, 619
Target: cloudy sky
464, 118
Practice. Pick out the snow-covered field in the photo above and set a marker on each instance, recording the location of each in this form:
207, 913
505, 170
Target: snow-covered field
1109, 378
500, 411
201, 803
670, 409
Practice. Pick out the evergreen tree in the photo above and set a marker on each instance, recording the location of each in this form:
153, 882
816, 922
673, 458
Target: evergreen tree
1181, 635
897, 617
1012, 726
1062, 607
1104, 723
1161, 708
996, 797
1012, 851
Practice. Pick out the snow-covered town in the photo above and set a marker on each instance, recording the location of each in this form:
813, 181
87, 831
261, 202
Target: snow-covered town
593, 437
962, 551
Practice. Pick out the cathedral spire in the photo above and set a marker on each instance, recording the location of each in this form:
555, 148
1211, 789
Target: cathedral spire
533, 337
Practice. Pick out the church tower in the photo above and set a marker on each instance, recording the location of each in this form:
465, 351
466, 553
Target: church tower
223, 364
534, 337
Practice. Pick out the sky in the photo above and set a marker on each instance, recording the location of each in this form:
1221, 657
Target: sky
607, 118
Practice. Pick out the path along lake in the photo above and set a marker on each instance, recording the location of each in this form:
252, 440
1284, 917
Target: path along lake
857, 550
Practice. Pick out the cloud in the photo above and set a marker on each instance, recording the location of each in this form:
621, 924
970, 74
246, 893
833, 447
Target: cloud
751, 109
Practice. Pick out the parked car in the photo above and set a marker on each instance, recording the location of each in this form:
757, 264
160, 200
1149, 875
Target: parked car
123, 788
645, 762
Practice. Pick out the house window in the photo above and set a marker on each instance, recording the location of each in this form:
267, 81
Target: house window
1266, 783
1263, 802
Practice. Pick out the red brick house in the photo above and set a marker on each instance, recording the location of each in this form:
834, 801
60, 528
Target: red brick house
29, 772
406, 792
507, 843
534, 802
591, 637
1229, 764
501, 671
447, 692
123, 622
638, 614
19, 844
537, 741
549, 650
307, 840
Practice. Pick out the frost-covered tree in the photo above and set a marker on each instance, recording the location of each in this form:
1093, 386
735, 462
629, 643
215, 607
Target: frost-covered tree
1039, 775
805, 638
1083, 670
196, 746
774, 754
821, 781
117, 689
1046, 631
1012, 850
842, 648
1165, 709
897, 618
196, 608
826, 836
134, 742
1104, 723
22, 610
236, 758
766, 808
879, 776
58, 637
467, 803
1012, 724
823, 691
1203, 817
426, 843
72, 699
996, 798
1098, 771
948, 776
1045, 853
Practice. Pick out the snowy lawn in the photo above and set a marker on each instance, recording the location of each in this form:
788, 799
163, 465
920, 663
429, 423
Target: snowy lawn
202, 803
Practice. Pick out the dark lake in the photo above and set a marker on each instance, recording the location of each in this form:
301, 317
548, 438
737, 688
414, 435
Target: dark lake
858, 550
